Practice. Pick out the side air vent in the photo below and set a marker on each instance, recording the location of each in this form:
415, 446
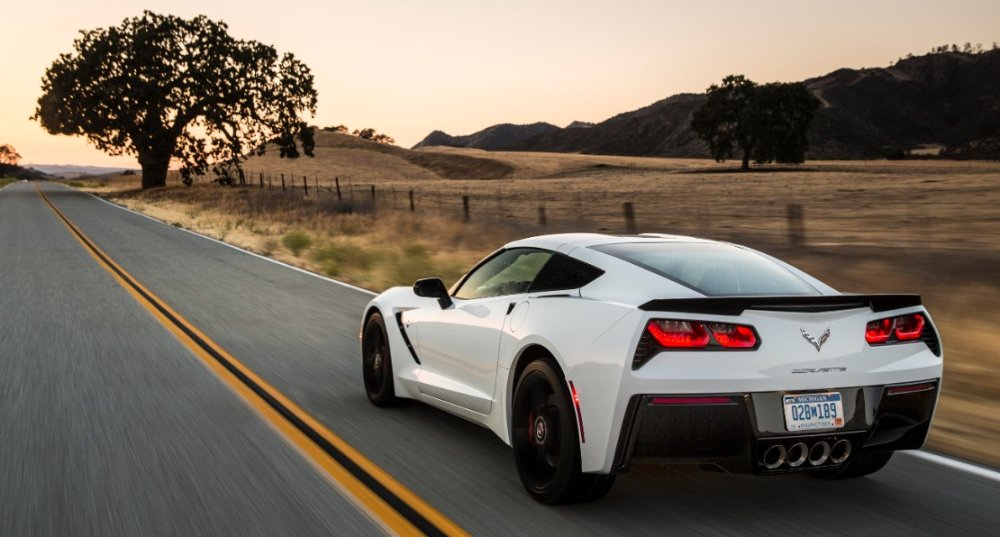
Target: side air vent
929, 336
644, 351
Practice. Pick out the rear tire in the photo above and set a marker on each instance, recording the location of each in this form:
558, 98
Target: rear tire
864, 463
376, 362
545, 440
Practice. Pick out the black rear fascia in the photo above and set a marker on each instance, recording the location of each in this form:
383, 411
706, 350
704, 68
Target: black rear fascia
799, 303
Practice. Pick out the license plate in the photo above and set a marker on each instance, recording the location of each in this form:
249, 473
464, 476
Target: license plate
809, 411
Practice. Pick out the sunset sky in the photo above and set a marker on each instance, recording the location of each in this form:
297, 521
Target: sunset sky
407, 67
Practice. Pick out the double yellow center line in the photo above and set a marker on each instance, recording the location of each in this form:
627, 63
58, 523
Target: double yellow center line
390, 504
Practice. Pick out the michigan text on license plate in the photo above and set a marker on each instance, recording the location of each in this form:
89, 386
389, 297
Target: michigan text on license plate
805, 412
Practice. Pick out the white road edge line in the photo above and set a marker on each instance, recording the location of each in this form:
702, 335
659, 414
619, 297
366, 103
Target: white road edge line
248, 252
12, 183
967, 467
956, 464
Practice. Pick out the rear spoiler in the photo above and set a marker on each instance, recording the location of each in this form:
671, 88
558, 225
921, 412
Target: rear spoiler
737, 305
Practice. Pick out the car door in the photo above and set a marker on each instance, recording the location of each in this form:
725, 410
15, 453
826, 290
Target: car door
458, 347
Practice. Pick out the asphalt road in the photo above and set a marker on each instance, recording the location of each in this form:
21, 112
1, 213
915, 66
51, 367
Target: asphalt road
109, 426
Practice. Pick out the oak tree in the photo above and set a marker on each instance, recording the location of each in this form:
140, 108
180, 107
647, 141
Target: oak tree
767, 123
165, 88
8, 155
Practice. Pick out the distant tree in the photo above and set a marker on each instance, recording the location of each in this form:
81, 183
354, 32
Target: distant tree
8, 155
371, 135
161, 87
762, 123
340, 129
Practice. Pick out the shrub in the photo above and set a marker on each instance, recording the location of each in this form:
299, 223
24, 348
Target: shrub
335, 258
296, 241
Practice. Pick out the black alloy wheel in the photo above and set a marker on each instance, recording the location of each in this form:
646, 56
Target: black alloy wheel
376, 362
546, 445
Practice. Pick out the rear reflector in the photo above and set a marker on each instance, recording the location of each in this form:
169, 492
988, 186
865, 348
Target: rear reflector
692, 400
579, 414
912, 388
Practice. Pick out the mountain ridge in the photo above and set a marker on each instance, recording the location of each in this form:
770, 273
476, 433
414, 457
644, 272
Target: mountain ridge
949, 100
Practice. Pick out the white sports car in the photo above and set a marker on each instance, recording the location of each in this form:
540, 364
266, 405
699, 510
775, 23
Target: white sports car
588, 352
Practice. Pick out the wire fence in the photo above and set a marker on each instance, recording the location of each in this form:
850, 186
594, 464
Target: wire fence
765, 219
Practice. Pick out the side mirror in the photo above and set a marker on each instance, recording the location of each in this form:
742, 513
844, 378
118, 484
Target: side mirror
433, 288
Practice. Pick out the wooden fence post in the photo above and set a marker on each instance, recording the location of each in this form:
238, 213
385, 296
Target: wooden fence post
305, 184
282, 182
336, 181
465, 208
412, 207
796, 224
542, 220
630, 226
262, 181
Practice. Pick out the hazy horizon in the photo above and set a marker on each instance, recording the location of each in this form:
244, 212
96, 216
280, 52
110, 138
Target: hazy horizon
459, 66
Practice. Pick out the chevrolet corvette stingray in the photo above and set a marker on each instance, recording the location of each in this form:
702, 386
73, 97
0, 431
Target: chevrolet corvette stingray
587, 353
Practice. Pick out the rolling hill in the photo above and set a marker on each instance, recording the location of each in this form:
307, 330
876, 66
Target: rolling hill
949, 100
350, 157
490, 138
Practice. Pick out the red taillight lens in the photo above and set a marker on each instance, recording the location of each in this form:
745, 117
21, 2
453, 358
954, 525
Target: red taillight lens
878, 331
733, 336
909, 327
896, 329
679, 334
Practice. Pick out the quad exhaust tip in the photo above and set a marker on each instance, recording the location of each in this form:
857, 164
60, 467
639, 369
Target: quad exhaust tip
819, 453
840, 451
774, 457
799, 453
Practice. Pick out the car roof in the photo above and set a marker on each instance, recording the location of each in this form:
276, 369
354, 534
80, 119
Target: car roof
562, 242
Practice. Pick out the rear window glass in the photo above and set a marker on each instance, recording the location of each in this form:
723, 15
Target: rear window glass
711, 269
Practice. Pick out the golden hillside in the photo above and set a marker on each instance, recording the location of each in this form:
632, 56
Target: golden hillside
351, 158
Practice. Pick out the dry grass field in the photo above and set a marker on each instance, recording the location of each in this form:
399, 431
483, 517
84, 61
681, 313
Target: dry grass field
929, 227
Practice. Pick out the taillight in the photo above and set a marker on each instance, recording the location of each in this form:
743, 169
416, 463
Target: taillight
681, 334
733, 336
878, 331
908, 327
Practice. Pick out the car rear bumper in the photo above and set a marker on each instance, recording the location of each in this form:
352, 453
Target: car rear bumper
735, 431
